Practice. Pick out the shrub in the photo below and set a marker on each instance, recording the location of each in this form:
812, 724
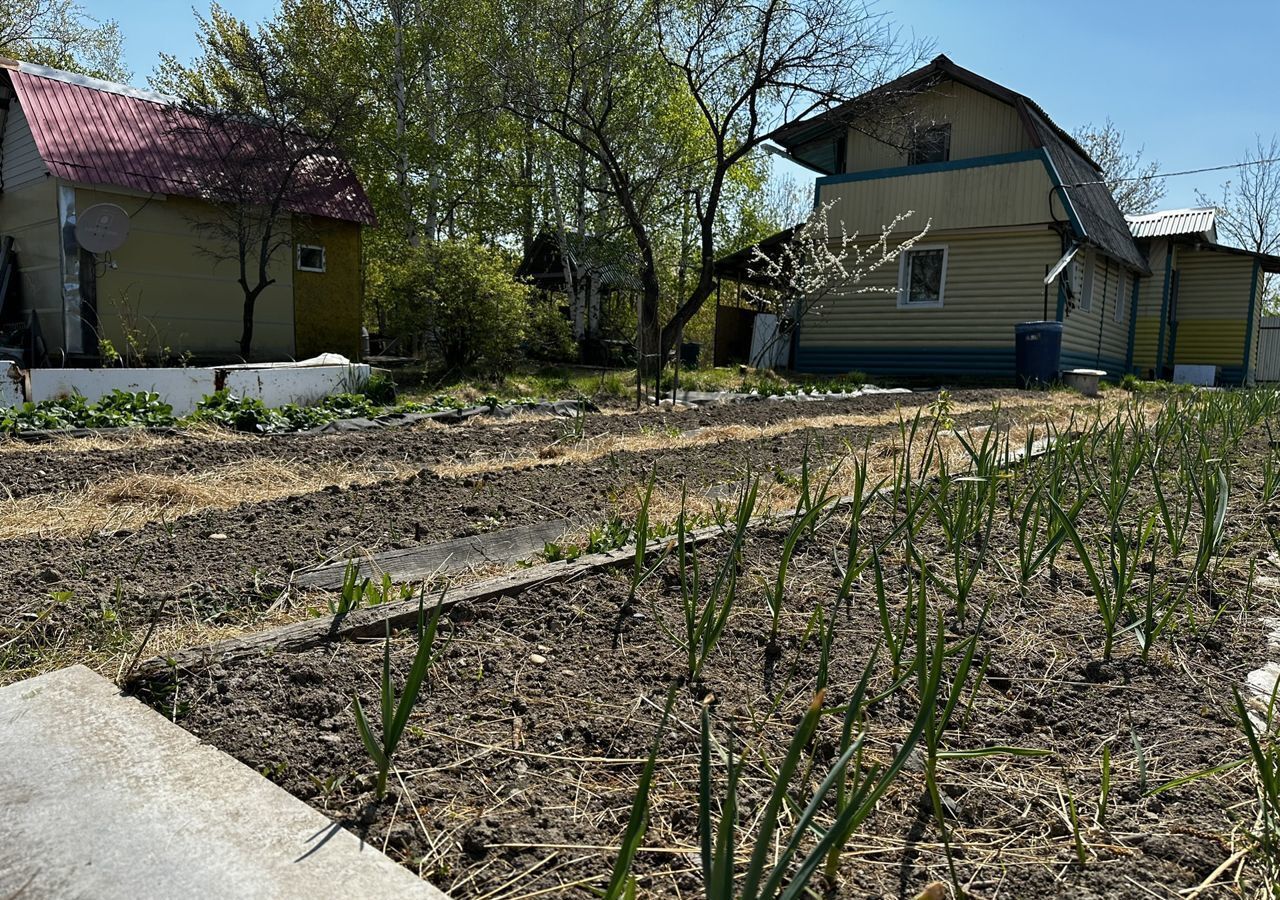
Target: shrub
550, 334
462, 295
379, 389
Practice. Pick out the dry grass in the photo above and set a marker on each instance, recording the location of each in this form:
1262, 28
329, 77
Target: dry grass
591, 449
132, 501
128, 439
782, 493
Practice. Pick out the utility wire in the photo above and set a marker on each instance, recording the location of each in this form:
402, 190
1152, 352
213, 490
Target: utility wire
1239, 165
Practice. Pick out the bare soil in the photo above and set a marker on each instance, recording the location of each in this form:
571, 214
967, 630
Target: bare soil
518, 772
218, 568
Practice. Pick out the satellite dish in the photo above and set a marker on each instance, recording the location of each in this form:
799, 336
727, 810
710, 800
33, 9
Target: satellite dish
102, 228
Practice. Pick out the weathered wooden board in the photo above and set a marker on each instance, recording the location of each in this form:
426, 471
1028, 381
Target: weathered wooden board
459, 554
373, 621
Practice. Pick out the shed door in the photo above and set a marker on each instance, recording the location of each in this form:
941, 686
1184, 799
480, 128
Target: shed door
1269, 349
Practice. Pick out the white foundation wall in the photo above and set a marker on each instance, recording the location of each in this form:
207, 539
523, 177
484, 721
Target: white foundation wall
274, 385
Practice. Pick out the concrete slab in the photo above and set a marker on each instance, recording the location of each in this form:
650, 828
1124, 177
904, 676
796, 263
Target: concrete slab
102, 797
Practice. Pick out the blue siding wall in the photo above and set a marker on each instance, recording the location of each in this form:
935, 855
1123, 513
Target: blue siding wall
924, 361
907, 361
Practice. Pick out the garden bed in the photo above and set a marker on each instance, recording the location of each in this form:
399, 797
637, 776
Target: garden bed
217, 527
1058, 773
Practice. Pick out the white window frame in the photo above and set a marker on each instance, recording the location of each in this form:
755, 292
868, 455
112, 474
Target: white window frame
904, 278
323, 258
1088, 272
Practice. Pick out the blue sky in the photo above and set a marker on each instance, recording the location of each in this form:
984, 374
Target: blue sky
1190, 82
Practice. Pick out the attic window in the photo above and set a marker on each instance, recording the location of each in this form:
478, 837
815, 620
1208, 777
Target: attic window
310, 258
930, 145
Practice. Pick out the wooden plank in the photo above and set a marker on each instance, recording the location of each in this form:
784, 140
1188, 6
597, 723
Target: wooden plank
445, 557
373, 621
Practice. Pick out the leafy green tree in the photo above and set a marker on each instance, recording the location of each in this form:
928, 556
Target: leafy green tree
671, 98
62, 34
461, 297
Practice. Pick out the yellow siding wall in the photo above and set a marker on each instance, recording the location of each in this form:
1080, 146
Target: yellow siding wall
30, 216
1001, 195
1150, 293
328, 305
980, 126
179, 297
1093, 336
993, 281
1213, 307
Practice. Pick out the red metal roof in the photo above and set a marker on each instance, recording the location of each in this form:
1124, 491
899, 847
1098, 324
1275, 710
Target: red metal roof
98, 133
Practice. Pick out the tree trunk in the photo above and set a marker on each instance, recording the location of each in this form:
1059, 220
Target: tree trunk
246, 335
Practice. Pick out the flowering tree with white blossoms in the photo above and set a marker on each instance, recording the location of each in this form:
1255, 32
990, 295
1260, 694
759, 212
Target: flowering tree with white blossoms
814, 264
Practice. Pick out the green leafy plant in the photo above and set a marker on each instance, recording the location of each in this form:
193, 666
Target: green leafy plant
706, 610
776, 866
395, 711
119, 409
1213, 494
776, 597
352, 591
639, 572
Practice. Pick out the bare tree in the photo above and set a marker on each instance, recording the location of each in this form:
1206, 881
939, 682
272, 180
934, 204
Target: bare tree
754, 67
1249, 207
816, 263
725, 76
1130, 180
62, 34
270, 148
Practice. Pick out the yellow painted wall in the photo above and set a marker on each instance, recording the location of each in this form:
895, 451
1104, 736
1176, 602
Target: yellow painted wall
1213, 307
179, 297
1145, 338
30, 216
1002, 195
980, 126
1150, 294
328, 305
993, 281
1095, 332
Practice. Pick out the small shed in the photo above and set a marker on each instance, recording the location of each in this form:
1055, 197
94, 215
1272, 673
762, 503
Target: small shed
598, 282
71, 143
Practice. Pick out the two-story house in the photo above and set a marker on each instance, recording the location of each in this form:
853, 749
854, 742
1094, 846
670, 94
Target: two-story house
1021, 228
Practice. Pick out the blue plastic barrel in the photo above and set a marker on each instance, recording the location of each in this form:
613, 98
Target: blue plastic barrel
1037, 352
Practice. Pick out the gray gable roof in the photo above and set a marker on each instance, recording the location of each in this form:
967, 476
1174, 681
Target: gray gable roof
1102, 222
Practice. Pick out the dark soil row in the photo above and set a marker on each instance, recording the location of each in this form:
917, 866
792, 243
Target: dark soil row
220, 562
521, 761
33, 470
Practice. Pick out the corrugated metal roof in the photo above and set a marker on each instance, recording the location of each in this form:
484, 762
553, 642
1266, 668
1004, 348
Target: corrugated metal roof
1173, 222
99, 133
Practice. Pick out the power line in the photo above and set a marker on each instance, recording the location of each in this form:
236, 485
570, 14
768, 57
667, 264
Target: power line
1239, 165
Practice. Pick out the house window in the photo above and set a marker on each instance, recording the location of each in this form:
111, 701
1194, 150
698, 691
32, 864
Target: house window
1082, 270
930, 145
922, 276
310, 258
